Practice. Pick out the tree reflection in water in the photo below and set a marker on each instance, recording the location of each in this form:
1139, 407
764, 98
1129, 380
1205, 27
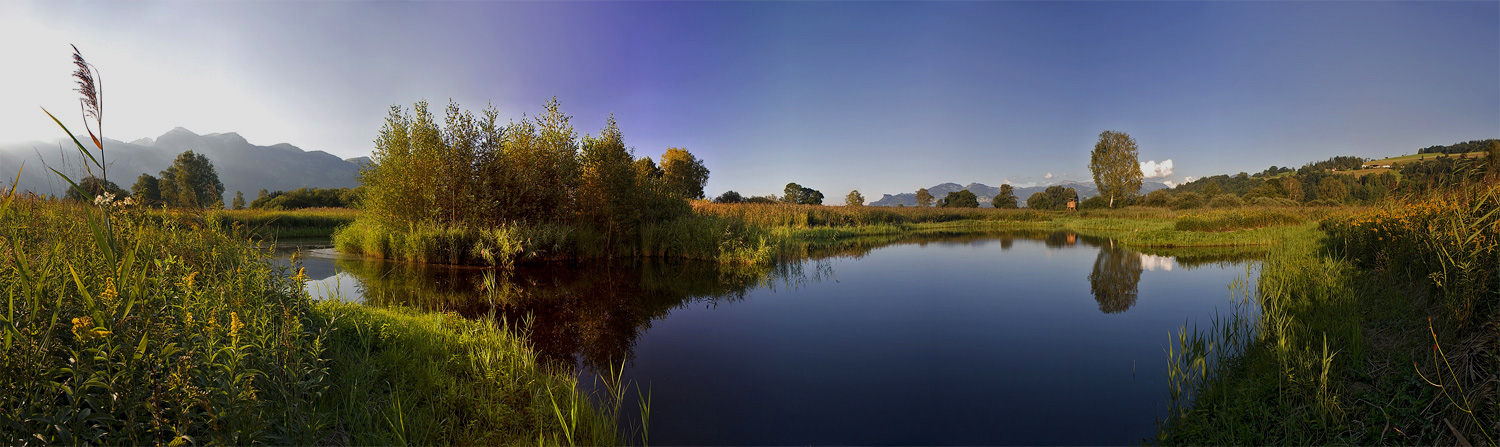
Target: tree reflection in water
591, 313
1116, 278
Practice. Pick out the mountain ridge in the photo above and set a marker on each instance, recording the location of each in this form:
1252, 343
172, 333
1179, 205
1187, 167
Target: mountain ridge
241, 166
986, 193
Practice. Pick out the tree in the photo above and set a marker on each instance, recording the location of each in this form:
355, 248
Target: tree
93, 187
1053, 198
147, 190
191, 182
960, 199
802, 195
1293, 189
792, 193
924, 198
1006, 198
1333, 189
854, 199
1116, 166
239, 200
685, 174
729, 197
261, 195
1116, 279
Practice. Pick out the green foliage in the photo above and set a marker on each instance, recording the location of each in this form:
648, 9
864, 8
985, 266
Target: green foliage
1052, 198
239, 201
1116, 166
1006, 199
1237, 220
1187, 200
146, 190
470, 173
93, 187
1333, 189
191, 182
1158, 198
924, 198
307, 198
729, 197
1094, 203
959, 199
1461, 148
856, 199
685, 174
801, 195
1226, 201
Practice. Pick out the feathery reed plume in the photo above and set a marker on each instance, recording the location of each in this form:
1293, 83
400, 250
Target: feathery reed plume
91, 104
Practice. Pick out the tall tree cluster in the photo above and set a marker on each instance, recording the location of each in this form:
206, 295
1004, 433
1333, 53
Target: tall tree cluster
473, 170
190, 182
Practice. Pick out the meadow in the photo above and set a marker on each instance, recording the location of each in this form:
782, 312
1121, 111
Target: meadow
120, 327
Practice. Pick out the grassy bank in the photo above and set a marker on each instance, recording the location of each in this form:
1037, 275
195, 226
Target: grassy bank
758, 234
1374, 327
146, 331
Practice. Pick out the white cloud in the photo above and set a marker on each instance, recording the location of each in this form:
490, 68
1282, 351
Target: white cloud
1188, 179
1152, 169
1048, 176
1169, 183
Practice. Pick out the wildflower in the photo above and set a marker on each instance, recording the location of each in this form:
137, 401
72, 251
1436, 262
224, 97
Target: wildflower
301, 275
235, 325
109, 294
84, 329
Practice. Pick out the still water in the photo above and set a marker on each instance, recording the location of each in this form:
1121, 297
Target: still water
1022, 338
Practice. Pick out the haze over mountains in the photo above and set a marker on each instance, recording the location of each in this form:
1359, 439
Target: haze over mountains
241, 166
986, 192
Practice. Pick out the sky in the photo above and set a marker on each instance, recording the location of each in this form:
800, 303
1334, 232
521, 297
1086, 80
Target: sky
882, 97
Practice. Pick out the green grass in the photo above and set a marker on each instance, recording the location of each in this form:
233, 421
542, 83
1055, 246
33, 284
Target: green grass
149, 331
1374, 327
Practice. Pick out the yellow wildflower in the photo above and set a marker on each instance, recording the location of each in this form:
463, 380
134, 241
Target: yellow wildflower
109, 294
301, 275
84, 329
235, 325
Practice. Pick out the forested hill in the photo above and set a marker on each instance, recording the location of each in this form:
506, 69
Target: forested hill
241, 166
986, 192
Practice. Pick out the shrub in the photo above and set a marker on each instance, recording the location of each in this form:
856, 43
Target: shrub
1226, 201
1187, 200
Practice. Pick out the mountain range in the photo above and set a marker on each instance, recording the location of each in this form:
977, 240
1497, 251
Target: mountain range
986, 192
241, 166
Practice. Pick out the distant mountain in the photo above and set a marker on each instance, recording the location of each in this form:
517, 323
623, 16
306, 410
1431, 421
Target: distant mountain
986, 192
241, 166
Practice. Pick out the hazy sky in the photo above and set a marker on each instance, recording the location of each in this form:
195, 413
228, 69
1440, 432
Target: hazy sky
882, 97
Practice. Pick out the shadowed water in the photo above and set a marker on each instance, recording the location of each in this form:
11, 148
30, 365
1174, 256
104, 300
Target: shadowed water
1013, 338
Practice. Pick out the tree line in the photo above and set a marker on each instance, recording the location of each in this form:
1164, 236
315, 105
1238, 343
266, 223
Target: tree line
190, 182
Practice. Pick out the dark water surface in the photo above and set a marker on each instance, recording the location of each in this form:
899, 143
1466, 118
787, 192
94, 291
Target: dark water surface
1031, 338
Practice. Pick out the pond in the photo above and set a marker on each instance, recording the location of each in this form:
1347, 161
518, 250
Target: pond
1004, 338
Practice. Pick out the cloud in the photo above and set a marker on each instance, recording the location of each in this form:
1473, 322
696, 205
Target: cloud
1152, 169
1169, 183
1188, 179
1048, 176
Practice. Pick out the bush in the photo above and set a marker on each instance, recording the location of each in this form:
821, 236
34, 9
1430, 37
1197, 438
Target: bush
1226, 201
1236, 220
1187, 200
1094, 203
1158, 198
1272, 201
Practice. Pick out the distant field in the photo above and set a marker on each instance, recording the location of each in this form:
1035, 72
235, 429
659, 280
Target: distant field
1404, 159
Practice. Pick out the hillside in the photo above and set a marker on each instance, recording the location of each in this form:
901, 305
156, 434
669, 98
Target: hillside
986, 192
241, 166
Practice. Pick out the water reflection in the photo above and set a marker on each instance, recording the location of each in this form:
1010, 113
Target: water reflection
1116, 279
591, 314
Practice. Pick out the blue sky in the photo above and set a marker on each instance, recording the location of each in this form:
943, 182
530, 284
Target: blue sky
884, 97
